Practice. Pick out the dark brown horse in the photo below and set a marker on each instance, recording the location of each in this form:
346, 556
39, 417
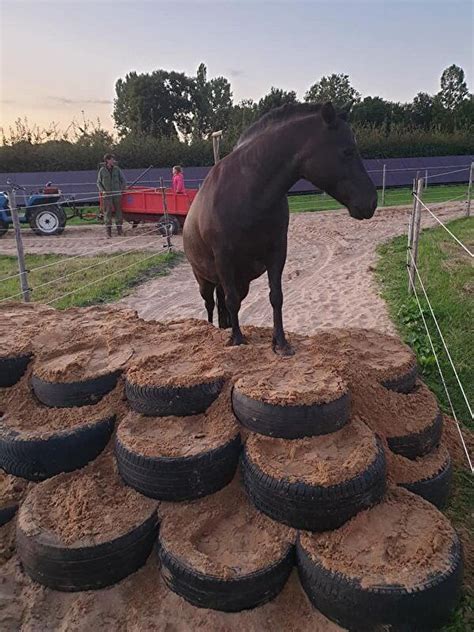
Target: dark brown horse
237, 226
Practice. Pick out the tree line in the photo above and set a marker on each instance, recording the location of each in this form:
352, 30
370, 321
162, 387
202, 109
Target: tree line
165, 117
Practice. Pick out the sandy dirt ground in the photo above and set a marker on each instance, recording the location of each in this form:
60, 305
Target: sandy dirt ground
328, 279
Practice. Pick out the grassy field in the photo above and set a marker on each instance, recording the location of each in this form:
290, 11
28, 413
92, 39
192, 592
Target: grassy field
393, 197
84, 286
447, 273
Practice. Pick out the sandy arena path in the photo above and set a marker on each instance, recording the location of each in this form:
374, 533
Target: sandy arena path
328, 279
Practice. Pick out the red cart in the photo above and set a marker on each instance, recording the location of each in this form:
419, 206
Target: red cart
145, 204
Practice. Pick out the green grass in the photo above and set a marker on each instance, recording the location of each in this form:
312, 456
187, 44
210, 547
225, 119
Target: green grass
139, 267
447, 273
393, 197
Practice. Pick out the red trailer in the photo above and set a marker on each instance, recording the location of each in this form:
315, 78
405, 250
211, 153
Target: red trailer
145, 204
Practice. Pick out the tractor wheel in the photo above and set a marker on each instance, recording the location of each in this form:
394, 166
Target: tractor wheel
48, 220
171, 226
3, 228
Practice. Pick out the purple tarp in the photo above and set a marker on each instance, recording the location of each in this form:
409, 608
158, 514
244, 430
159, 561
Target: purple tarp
399, 172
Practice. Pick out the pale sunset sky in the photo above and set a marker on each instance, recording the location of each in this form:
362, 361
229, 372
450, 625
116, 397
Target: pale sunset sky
63, 56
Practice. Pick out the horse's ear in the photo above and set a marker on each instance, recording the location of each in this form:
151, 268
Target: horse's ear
329, 114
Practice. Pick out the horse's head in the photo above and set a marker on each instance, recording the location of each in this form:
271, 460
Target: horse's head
331, 161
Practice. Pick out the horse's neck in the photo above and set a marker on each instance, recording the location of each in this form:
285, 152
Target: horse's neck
271, 162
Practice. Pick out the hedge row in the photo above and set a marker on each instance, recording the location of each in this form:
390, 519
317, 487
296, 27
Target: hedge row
136, 152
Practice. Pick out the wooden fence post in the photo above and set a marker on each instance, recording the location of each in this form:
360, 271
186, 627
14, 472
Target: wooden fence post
415, 235
25, 290
216, 140
469, 190
384, 171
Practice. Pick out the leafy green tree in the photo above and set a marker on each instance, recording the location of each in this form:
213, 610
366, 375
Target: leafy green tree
335, 88
157, 103
371, 111
422, 110
274, 99
453, 87
212, 103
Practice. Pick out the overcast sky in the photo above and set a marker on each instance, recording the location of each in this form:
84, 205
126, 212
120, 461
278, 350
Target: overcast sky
61, 57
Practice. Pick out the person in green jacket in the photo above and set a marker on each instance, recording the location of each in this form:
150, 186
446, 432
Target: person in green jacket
111, 182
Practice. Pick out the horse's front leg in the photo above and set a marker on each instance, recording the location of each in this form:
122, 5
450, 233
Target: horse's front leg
279, 342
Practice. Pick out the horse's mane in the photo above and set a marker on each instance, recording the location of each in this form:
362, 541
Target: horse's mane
278, 115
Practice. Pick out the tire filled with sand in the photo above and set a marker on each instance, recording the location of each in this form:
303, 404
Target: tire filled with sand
179, 458
296, 400
221, 553
394, 564
315, 483
85, 530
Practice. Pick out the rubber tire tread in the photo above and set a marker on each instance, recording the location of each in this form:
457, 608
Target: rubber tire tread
176, 479
315, 507
12, 369
290, 422
418, 444
343, 600
403, 384
435, 489
39, 458
72, 394
71, 569
167, 401
7, 513
234, 595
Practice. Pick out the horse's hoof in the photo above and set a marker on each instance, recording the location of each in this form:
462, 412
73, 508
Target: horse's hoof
236, 341
284, 350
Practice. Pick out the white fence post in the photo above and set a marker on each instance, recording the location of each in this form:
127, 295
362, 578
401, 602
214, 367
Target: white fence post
25, 290
415, 235
383, 183
216, 140
469, 190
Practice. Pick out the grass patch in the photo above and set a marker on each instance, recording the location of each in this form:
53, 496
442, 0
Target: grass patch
83, 286
446, 271
393, 197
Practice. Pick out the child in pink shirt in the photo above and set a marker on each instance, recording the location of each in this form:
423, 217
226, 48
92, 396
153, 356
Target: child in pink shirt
178, 179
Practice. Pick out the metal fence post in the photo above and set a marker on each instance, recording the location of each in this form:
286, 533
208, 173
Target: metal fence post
415, 235
25, 291
469, 190
384, 171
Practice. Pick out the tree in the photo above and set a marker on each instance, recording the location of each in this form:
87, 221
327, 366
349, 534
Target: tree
212, 103
335, 88
274, 99
453, 87
159, 104
371, 111
422, 110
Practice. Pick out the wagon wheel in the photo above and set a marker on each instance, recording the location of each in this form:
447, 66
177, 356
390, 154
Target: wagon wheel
169, 226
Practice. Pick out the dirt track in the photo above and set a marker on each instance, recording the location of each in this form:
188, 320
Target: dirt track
327, 280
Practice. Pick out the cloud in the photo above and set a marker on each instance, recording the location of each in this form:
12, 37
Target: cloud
236, 72
66, 101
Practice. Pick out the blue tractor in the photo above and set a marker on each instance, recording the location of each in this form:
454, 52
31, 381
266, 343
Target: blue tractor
44, 211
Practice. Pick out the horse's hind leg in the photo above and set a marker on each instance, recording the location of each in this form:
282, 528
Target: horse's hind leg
222, 313
274, 271
207, 292
233, 298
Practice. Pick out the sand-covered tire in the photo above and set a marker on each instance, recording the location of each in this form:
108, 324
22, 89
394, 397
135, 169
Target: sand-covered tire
310, 506
234, 595
41, 457
358, 602
416, 444
165, 401
71, 394
404, 383
290, 422
72, 569
176, 479
436, 488
7, 513
12, 368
